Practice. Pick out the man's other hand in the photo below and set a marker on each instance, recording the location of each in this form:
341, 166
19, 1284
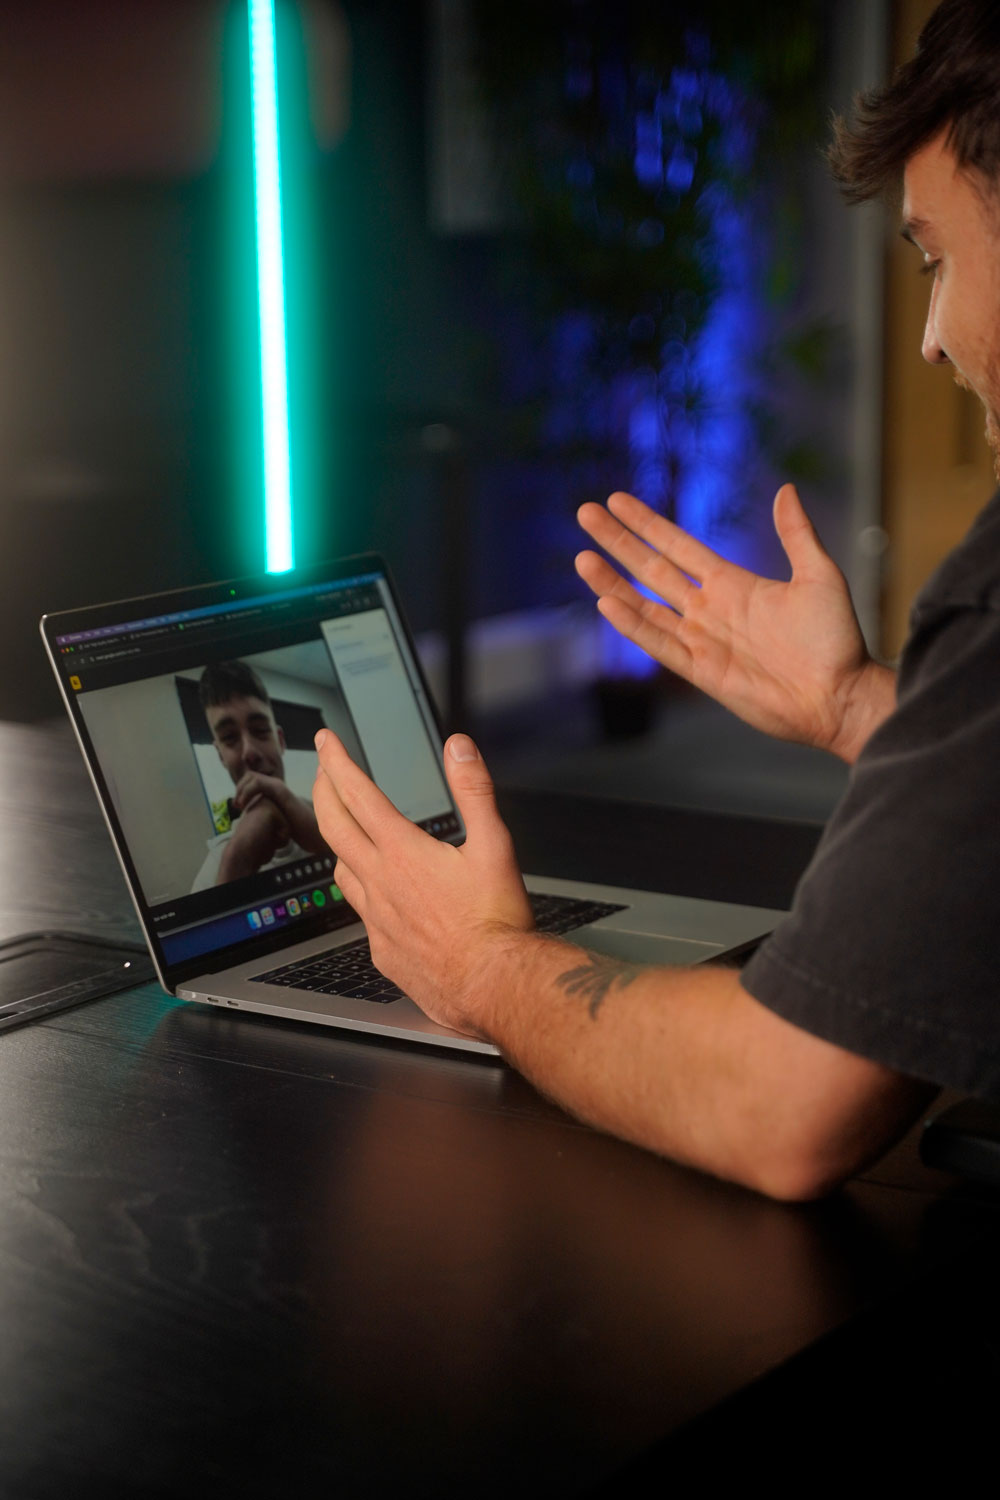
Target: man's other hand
789, 658
436, 914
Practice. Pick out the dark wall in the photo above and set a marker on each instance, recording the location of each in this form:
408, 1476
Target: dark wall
129, 459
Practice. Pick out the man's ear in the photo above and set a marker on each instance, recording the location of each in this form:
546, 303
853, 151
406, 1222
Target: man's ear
218, 747
281, 738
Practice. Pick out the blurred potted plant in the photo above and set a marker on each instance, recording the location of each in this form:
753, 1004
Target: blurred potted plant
639, 147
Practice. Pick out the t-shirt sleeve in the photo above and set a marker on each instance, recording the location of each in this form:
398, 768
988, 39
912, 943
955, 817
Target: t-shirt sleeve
891, 948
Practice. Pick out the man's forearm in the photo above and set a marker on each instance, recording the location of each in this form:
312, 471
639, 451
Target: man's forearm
602, 1037
687, 1064
682, 1061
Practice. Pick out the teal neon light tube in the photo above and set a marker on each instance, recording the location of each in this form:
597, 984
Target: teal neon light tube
270, 289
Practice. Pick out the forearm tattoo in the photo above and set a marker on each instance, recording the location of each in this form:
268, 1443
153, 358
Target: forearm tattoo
596, 977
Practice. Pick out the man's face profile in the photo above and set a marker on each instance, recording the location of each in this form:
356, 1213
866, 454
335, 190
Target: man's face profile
955, 222
247, 738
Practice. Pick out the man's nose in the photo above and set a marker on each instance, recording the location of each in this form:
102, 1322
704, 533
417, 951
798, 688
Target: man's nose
931, 348
251, 751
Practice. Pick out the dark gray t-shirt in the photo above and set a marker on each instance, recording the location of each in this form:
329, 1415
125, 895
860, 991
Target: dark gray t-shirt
892, 948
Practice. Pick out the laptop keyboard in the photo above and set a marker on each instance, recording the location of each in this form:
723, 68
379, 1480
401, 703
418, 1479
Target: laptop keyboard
561, 914
348, 970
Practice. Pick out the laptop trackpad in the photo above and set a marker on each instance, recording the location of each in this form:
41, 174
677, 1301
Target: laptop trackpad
645, 947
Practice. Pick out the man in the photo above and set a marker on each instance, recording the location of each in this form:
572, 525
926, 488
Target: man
271, 825
881, 984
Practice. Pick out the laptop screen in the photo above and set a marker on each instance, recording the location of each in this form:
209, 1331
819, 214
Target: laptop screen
197, 712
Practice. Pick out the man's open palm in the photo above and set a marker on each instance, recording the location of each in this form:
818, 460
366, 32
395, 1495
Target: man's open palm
788, 657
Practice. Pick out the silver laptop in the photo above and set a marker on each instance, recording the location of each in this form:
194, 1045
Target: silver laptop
196, 713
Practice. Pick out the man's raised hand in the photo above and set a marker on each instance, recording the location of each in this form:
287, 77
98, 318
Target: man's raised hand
433, 912
789, 658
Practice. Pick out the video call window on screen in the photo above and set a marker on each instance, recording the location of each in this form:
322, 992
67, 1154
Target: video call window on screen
210, 766
179, 767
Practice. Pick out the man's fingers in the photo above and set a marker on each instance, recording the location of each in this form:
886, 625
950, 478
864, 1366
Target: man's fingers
350, 885
796, 532
472, 787
489, 847
657, 638
692, 557
369, 807
341, 830
598, 574
640, 557
652, 625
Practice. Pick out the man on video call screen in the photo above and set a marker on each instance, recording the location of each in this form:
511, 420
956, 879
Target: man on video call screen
269, 823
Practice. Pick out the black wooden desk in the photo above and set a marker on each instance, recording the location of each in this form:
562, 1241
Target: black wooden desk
246, 1257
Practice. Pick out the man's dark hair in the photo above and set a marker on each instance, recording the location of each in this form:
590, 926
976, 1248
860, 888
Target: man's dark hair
952, 85
225, 680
